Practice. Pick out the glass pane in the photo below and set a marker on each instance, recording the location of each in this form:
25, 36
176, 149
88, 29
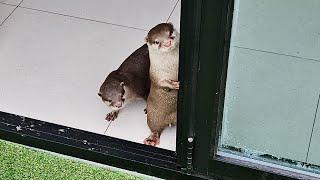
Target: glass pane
273, 82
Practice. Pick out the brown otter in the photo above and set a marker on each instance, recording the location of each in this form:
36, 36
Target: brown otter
130, 81
163, 45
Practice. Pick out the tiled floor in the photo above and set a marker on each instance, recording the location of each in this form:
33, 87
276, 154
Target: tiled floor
5, 11
55, 54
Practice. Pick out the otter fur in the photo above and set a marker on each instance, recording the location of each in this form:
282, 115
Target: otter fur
129, 82
163, 45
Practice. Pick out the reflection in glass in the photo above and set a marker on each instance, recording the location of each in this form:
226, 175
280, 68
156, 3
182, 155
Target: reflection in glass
273, 82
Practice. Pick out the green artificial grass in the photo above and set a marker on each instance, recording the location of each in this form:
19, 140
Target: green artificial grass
19, 162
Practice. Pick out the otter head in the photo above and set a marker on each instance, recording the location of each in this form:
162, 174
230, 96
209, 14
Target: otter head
163, 37
112, 94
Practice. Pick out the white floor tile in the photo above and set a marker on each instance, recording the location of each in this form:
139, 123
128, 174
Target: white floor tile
139, 13
132, 125
52, 66
175, 16
270, 103
5, 10
278, 26
168, 138
12, 2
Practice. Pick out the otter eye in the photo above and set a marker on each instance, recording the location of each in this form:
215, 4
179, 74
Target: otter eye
156, 42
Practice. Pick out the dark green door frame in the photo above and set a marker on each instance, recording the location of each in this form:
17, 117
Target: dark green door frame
214, 44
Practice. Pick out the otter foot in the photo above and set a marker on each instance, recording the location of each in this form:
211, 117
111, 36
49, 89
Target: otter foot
152, 140
112, 115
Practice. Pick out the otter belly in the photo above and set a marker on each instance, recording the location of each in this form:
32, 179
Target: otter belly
164, 66
161, 108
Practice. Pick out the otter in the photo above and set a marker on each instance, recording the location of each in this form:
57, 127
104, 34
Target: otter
129, 82
163, 45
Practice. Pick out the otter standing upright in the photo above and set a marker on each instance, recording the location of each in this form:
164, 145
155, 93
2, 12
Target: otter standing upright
163, 45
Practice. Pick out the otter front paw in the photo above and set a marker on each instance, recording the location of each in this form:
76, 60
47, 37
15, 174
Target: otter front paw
112, 115
171, 84
174, 84
152, 140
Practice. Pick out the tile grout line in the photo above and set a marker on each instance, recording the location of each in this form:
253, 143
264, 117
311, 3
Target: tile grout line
82, 18
11, 13
314, 121
174, 7
297, 57
8, 4
107, 128
76, 17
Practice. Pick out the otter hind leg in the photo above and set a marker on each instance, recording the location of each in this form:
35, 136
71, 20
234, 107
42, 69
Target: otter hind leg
156, 127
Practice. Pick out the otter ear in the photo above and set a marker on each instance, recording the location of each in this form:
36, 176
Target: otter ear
170, 23
100, 94
146, 39
122, 84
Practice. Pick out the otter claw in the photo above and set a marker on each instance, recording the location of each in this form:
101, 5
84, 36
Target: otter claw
175, 84
112, 116
152, 140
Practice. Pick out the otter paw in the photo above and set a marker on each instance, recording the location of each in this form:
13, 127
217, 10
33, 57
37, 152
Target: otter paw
174, 84
152, 140
112, 116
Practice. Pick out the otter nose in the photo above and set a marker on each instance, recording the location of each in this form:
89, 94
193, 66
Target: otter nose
167, 43
117, 104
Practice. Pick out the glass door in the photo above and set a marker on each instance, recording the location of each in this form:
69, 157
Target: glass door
273, 83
